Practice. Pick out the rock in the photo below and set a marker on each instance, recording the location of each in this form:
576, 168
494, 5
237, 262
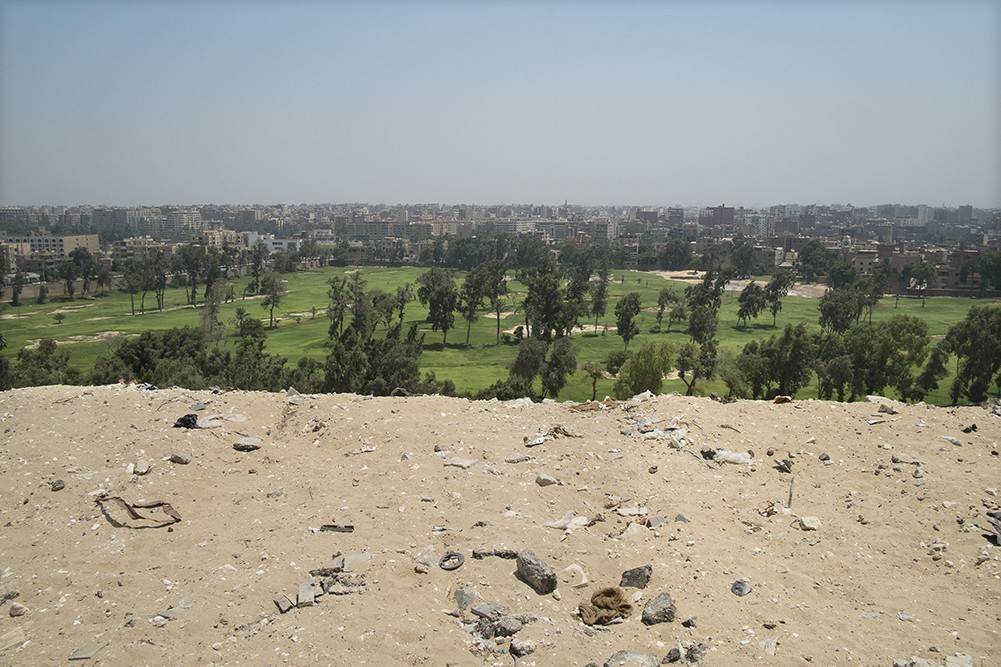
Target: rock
458, 462
637, 577
17, 609
536, 573
825, 457
809, 523
958, 660
187, 421
635, 531
674, 655
142, 467
247, 444
886, 409
522, 647
508, 626
182, 459
660, 609
427, 556
307, 594
695, 653
520, 458
488, 611
770, 645
690, 622
632, 659
276, 493
358, 562
284, 604
464, 597
58, 485
575, 576
542, 479
680, 518
740, 588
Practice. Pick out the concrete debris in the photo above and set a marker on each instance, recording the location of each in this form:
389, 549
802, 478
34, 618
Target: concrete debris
537, 574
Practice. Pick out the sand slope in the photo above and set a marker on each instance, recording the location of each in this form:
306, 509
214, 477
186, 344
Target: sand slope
900, 565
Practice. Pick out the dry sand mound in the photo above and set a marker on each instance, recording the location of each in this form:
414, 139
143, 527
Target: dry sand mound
898, 563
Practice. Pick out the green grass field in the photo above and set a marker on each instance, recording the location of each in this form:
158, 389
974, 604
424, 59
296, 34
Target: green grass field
92, 323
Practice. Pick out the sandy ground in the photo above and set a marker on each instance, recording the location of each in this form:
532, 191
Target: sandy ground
809, 290
900, 562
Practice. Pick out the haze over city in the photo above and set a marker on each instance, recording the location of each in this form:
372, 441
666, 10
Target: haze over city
641, 103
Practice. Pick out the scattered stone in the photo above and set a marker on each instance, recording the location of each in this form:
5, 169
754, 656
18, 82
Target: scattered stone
284, 604
247, 444
632, 659
825, 457
58, 485
635, 531
740, 588
770, 645
508, 626
674, 655
886, 409
542, 479
637, 577
652, 470
508, 554
87, 653
783, 465
952, 440
489, 611
522, 647
660, 609
695, 653
458, 462
427, 556
689, 622
536, 573
307, 595
17, 609
520, 458
187, 421
574, 575
680, 518
358, 562
179, 458
142, 467
276, 493
464, 597
809, 523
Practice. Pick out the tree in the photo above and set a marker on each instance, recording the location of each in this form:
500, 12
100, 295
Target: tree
562, 362
667, 297
190, 260
752, 301
675, 255
813, 260
594, 372
791, 355
841, 274
495, 289
626, 311
696, 362
528, 363
67, 272
85, 265
210, 311
644, 370
338, 308
43, 294
43, 365
884, 354
59, 317
16, 287
132, 280
437, 291
976, 343
841, 308
258, 263
471, 296
273, 290
544, 302
776, 289
599, 294
732, 376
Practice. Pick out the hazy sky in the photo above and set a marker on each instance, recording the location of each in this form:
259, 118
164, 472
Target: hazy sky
646, 103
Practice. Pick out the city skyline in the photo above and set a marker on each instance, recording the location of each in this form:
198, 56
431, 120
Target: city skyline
598, 104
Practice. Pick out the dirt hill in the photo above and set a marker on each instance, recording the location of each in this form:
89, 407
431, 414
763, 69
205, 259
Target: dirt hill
885, 555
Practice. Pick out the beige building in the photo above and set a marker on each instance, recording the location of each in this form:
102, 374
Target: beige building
60, 246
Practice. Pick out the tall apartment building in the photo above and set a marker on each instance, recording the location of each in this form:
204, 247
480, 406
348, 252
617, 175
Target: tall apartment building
719, 216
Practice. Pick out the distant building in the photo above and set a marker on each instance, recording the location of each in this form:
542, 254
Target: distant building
59, 246
719, 216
